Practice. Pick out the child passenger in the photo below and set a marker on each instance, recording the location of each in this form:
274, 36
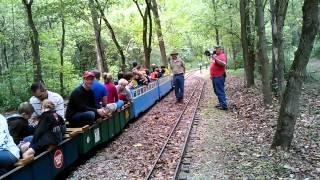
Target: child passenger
18, 123
49, 132
9, 152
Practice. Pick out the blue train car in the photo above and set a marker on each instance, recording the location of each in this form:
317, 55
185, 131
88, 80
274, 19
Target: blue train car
165, 85
144, 97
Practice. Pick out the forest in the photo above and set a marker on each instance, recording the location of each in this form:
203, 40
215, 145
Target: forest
54, 41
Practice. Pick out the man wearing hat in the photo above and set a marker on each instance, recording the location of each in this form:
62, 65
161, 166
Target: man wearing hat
178, 70
82, 108
217, 72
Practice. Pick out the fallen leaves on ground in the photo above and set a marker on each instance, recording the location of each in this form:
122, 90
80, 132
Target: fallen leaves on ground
253, 128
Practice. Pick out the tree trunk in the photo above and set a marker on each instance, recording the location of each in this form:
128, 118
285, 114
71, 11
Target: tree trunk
35, 43
274, 49
246, 41
98, 41
14, 34
262, 53
8, 73
279, 15
154, 8
281, 11
234, 55
214, 3
233, 44
113, 36
290, 105
146, 46
25, 65
148, 3
62, 50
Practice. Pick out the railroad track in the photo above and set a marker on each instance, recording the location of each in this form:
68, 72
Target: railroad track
168, 161
191, 72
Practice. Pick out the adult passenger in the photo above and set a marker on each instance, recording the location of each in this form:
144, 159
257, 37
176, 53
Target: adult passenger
165, 71
100, 92
82, 109
40, 93
123, 91
178, 69
217, 72
110, 87
9, 152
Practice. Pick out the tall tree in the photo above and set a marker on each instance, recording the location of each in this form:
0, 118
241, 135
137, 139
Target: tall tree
247, 42
113, 36
157, 21
5, 57
262, 53
216, 29
278, 15
146, 43
290, 104
63, 37
35, 42
97, 32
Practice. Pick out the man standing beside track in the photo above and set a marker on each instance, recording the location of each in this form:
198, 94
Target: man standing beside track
218, 75
178, 70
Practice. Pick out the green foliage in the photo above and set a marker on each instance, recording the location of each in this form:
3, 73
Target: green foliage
188, 26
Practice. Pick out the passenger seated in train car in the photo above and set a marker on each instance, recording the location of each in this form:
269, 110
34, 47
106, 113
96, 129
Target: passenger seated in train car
9, 151
160, 74
39, 93
99, 90
134, 66
18, 123
127, 76
153, 66
110, 87
123, 91
165, 71
120, 76
147, 74
134, 83
155, 74
50, 130
81, 109
144, 76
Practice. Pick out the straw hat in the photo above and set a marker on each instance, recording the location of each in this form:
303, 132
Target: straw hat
174, 52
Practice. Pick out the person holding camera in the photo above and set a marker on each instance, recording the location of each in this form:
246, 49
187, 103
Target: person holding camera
218, 75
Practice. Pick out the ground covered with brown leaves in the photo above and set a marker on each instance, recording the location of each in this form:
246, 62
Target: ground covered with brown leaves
236, 144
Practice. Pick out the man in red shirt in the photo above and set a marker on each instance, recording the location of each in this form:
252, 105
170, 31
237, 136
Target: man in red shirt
217, 72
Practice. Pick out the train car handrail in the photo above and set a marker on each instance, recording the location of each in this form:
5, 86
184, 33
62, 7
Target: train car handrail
143, 89
164, 79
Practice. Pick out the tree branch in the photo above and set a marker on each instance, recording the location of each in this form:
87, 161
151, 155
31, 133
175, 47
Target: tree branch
136, 2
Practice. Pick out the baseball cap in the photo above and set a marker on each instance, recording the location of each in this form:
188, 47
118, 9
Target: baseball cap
87, 74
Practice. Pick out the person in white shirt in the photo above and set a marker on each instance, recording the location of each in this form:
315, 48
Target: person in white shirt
9, 152
40, 93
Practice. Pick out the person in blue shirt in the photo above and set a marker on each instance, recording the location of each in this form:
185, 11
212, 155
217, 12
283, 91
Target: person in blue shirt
100, 92
9, 151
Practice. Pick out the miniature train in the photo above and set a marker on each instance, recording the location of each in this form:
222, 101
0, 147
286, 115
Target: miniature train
79, 141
